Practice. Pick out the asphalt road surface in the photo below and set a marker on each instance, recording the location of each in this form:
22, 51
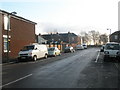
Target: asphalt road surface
82, 69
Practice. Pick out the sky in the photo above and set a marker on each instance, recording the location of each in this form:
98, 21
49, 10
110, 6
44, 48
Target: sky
67, 15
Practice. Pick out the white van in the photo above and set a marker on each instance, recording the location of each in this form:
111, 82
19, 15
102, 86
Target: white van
111, 50
33, 51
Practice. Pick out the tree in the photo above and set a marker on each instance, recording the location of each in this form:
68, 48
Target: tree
103, 39
85, 37
95, 36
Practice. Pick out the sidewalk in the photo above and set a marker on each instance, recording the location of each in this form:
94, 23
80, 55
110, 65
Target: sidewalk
8, 62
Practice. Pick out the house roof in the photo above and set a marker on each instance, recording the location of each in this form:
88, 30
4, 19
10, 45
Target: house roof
117, 32
17, 17
60, 34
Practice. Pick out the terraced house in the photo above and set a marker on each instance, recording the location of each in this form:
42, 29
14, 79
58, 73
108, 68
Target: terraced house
16, 32
115, 37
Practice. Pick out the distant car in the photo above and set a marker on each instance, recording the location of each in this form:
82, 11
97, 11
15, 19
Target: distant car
79, 47
85, 46
111, 50
53, 51
69, 49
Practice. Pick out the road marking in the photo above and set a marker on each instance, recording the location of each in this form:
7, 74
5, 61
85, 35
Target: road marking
97, 57
116, 65
16, 80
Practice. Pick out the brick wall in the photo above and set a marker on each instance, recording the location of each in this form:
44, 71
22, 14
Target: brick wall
22, 33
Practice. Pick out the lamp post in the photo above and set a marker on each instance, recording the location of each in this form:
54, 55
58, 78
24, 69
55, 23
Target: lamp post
109, 35
109, 29
8, 29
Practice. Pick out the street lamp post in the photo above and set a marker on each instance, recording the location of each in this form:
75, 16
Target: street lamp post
109, 35
110, 30
8, 29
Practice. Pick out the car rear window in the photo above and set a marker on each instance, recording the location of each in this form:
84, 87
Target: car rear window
51, 49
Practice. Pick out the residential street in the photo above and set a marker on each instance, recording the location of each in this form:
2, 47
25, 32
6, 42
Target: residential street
81, 69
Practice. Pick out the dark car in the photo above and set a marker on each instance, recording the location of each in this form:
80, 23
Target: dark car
102, 48
69, 49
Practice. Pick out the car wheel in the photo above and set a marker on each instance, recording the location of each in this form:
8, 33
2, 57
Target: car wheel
73, 51
45, 56
55, 55
60, 54
35, 58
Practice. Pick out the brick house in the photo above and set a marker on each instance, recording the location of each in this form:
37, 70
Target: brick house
62, 39
115, 37
40, 40
68, 38
20, 32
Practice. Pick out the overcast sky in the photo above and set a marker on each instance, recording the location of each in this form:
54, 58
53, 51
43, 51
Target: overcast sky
67, 15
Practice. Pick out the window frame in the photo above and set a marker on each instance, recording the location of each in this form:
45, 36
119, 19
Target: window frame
7, 22
5, 41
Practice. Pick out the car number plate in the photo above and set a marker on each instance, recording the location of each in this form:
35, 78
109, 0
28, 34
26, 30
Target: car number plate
23, 57
112, 56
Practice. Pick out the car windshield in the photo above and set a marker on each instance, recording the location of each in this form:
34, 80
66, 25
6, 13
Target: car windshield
112, 46
28, 48
51, 49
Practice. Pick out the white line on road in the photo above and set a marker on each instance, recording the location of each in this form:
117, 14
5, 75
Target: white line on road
16, 80
116, 65
97, 57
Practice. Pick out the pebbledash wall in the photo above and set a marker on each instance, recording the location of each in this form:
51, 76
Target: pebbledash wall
21, 33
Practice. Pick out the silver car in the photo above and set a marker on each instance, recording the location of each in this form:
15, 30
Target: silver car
111, 50
53, 51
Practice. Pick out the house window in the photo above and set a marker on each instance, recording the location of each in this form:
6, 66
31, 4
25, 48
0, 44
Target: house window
5, 43
6, 23
116, 37
73, 39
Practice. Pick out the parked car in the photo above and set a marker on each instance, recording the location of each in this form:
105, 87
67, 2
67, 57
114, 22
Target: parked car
33, 51
85, 46
79, 47
102, 48
53, 51
69, 49
111, 50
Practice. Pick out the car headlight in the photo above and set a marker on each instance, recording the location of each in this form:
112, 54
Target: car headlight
30, 54
118, 53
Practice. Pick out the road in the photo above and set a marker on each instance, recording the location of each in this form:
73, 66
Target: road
82, 69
